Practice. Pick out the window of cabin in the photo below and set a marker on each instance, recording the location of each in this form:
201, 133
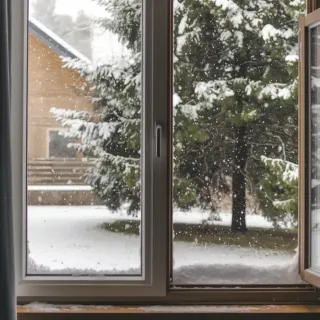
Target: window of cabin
60, 146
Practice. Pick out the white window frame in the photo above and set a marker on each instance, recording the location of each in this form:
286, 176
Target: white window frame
155, 177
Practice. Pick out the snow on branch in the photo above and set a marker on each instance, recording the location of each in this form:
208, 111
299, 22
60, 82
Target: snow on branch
213, 90
281, 187
269, 32
82, 125
81, 66
271, 90
255, 15
290, 170
284, 203
61, 114
117, 159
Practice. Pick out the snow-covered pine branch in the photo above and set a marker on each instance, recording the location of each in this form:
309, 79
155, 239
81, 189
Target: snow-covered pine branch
289, 170
280, 189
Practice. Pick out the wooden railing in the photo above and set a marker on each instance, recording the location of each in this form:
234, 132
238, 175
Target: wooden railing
58, 171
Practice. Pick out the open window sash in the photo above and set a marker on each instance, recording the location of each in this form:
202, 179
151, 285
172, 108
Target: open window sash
309, 147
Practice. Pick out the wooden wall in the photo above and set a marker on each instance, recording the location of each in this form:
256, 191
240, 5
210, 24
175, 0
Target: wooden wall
49, 85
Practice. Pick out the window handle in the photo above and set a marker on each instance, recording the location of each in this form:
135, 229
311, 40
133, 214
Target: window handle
158, 140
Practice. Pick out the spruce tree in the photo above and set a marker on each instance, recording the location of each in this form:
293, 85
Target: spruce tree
247, 94
112, 134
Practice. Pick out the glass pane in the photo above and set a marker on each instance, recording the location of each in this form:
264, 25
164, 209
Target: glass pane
315, 146
58, 146
84, 132
235, 142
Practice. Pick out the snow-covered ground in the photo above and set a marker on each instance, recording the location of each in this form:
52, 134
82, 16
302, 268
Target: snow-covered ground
198, 216
70, 240
195, 216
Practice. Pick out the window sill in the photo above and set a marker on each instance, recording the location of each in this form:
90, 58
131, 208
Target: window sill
187, 309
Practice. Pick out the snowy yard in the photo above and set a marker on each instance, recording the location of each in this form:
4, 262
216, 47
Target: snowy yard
70, 240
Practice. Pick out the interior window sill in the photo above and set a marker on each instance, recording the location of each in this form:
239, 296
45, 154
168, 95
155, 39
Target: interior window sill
40, 308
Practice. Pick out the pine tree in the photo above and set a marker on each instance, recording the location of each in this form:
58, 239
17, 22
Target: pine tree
248, 91
112, 135
198, 176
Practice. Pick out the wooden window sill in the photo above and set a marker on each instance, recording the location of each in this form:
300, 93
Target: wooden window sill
77, 309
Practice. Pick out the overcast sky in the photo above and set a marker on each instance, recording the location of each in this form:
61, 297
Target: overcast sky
72, 7
105, 46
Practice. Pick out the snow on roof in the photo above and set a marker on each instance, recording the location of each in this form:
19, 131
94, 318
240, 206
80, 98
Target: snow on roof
53, 41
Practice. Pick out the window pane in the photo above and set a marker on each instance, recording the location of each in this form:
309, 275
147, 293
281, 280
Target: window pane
84, 120
235, 142
58, 146
315, 146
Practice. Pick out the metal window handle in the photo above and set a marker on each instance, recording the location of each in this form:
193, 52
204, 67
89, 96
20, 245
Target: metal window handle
158, 140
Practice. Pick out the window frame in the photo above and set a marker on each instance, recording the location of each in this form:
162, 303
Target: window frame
155, 198
311, 5
307, 274
158, 289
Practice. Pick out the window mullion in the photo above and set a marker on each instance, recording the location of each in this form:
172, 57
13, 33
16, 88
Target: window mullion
157, 102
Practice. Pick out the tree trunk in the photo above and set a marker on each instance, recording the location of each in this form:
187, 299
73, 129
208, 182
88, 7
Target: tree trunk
239, 181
